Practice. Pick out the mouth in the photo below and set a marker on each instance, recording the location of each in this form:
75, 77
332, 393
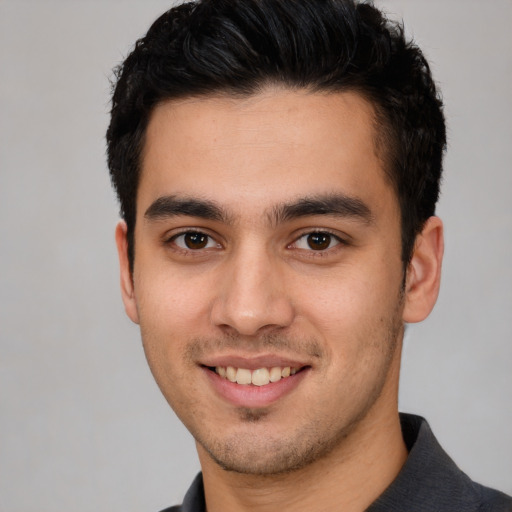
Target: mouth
258, 377
256, 387
254, 381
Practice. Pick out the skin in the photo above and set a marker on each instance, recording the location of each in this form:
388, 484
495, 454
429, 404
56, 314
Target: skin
258, 290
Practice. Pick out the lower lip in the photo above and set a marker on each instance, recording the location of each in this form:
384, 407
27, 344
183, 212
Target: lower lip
248, 395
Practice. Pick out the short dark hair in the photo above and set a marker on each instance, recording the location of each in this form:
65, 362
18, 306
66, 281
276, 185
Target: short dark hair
239, 47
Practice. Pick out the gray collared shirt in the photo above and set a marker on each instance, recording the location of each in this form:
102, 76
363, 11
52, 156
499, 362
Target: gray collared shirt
428, 482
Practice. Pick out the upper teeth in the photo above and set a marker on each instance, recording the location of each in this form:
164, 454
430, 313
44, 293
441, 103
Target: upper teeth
259, 377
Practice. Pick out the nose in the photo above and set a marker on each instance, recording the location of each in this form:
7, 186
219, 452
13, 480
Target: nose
252, 296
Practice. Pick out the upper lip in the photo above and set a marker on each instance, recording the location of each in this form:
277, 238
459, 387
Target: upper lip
253, 362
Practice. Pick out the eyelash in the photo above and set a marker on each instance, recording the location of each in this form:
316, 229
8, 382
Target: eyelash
320, 253
171, 241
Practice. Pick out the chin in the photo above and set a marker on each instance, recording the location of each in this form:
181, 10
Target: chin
261, 455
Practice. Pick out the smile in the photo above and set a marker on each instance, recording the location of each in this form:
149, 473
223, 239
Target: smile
256, 387
258, 377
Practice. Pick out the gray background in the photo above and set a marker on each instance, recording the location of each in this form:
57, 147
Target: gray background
83, 427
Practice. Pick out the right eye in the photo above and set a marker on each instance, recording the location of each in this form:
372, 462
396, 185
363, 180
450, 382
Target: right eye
194, 241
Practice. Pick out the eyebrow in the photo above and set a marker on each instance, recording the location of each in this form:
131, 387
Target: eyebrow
172, 206
337, 205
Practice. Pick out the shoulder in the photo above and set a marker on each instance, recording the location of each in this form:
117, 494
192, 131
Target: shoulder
430, 480
491, 500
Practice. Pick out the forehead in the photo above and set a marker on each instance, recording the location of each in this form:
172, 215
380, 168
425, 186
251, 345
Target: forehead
275, 146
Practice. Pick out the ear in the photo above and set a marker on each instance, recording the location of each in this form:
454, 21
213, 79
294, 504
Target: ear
127, 288
424, 272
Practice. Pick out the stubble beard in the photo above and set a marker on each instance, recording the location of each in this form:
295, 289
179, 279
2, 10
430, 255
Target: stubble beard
263, 454
271, 456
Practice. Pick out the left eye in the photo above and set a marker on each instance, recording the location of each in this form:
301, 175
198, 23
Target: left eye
194, 240
317, 241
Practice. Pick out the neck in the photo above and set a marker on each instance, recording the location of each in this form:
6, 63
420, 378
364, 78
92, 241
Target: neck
349, 478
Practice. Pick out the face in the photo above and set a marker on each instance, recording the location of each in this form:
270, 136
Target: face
267, 279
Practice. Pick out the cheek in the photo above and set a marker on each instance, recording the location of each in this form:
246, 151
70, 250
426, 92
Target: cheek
340, 300
169, 304
165, 329
354, 316
171, 301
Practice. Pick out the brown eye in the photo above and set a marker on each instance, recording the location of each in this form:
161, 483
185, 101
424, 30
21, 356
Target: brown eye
195, 240
319, 241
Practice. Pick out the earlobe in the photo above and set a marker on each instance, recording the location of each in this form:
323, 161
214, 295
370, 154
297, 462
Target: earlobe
424, 272
127, 288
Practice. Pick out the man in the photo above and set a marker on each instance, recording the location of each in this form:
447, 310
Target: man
278, 165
